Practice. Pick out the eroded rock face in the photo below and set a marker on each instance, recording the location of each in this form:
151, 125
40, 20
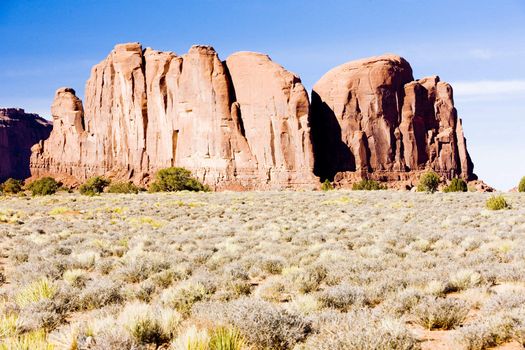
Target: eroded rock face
145, 110
370, 119
18, 132
273, 108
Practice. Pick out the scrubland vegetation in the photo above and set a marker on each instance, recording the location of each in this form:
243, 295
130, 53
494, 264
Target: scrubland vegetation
270, 270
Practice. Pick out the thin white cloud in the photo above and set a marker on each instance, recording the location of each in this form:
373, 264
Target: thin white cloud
497, 89
482, 54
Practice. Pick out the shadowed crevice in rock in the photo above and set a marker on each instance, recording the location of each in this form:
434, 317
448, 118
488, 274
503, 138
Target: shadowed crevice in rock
236, 112
331, 154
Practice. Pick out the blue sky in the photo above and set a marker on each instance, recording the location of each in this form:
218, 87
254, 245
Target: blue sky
478, 46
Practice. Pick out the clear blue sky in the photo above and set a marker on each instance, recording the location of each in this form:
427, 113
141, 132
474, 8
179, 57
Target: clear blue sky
477, 45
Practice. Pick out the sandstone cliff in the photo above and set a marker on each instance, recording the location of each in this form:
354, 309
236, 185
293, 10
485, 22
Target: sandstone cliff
247, 123
18, 132
241, 124
370, 119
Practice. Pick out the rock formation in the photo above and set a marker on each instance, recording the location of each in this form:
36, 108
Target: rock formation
18, 132
242, 124
272, 107
247, 123
370, 119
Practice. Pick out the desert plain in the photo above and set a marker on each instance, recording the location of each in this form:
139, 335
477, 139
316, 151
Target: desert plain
266, 270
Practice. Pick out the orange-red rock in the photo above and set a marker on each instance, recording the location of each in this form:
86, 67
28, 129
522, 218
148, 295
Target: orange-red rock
18, 132
246, 123
370, 119
273, 107
145, 110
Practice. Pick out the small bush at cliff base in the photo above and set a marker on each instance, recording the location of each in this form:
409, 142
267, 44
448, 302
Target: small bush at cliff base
327, 185
44, 186
456, 185
12, 186
521, 186
368, 185
94, 186
124, 187
428, 182
497, 203
176, 179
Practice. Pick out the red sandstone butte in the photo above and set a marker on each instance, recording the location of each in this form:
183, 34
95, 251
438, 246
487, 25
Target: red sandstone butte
246, 123
240, 124
371, 119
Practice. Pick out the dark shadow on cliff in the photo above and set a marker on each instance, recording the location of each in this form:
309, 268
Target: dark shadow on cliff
331, 154
19, 135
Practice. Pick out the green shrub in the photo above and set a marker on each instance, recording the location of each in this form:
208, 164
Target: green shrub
223, 338
35, 339
521, 186
456, 185
327, 185
44, 186
12, 186
368, 185
35, 292
497, 203
94, 186
428, 182
123, 187
176, 179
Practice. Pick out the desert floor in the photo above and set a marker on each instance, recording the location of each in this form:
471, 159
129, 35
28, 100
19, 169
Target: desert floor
280, 270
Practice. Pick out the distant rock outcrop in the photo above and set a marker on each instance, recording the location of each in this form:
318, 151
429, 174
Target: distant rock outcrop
18, 132
241, 124
370, 119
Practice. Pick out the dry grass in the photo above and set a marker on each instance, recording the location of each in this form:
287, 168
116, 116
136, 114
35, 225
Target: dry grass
282, 270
